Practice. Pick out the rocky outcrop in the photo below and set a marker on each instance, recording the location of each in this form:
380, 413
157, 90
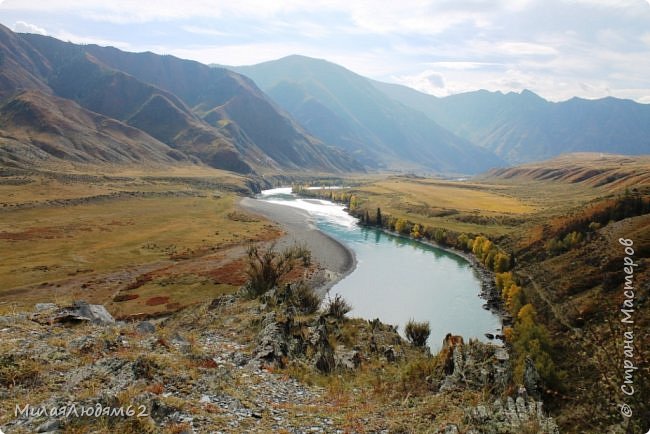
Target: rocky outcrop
81, 311
474, 365
479, 366
532, 380
272, 345
511, 416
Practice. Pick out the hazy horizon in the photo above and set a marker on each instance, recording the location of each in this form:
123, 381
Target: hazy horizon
558, 50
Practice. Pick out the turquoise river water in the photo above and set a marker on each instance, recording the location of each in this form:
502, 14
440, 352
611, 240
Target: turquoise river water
397, 279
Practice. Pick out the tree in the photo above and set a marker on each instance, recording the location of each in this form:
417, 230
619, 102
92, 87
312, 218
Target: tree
367, 218
501, 262
401, 226
378, 222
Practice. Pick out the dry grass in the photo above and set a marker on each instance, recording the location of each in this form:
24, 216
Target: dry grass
462, 196
95, 248
461, 206
606, 171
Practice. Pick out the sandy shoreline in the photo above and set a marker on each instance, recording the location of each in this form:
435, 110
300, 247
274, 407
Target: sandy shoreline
335, 258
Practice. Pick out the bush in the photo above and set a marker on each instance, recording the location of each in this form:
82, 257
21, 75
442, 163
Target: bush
267, 267
305, 298
417, 332
338, 307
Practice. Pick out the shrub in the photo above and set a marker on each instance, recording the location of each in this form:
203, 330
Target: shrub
417, 332
338, 307
267, 267
305, 298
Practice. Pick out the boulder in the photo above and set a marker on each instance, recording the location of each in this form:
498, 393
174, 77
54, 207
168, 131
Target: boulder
81, 311
145, 327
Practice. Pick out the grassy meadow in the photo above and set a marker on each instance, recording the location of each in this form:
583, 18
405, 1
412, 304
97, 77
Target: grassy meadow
161, 239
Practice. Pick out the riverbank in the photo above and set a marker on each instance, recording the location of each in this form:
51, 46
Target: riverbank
336, 260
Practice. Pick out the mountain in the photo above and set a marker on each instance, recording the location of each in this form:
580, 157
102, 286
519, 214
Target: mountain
347, 110
523, 127
177, 109
44, 126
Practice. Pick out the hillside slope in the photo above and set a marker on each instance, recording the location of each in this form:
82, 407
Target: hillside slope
345, 109
612, 172
216, 118
44, 129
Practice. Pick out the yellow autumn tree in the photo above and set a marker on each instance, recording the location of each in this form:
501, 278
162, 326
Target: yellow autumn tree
400, 225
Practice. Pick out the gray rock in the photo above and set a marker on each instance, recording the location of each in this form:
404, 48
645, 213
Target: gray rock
272, 343
82, 344
49, 425
451, 429
390, 353
40, 307
348, 360
82, 311
532, 379
145, 327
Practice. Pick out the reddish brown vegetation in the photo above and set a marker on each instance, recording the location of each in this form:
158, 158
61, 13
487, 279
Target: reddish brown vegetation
124, 297
156, 301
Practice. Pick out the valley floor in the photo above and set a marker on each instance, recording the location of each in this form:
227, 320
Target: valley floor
156, 246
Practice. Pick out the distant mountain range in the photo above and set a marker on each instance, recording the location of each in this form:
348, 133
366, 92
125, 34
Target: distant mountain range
85, 104
61, 102
347, 110
523, 127
364, 116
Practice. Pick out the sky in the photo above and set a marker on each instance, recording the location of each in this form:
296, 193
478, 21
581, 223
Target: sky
557, 49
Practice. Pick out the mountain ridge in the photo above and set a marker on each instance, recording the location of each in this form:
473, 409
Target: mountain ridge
524, 127
247, 132
386, 133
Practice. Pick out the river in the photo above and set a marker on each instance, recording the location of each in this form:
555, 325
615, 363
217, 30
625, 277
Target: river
397, 279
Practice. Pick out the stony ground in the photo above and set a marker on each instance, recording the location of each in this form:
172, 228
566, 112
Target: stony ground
211, 368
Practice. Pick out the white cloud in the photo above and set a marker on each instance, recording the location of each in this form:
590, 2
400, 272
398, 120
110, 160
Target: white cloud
81, 39
203, 31
428, 81
524, 49
439, 46
645, 38
23, 27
